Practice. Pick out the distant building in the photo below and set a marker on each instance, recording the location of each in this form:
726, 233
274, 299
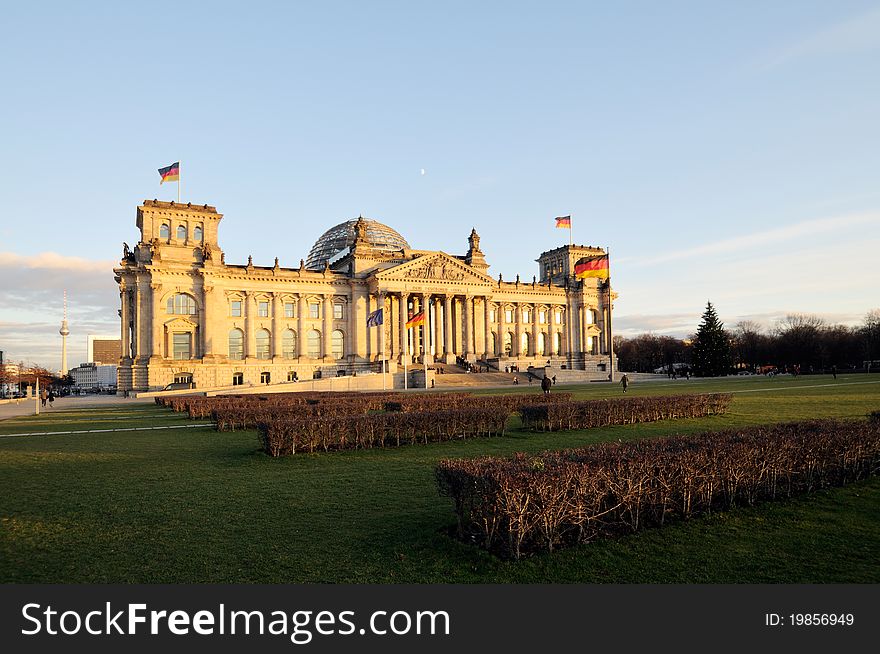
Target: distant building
104, 349
188, 316
9, 375
92, 375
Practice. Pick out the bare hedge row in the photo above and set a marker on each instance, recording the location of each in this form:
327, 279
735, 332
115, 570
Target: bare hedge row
242, 412
282, 436
513, 401
621, 411
526, 504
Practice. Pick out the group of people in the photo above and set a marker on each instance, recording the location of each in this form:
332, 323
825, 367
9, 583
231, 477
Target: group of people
47, 396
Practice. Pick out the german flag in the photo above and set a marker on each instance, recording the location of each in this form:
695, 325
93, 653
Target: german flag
416, 320
563, 222
170, 173
592, 267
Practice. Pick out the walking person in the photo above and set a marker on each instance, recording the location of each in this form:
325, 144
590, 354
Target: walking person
51, 397
44, 395
834, 371
546, 384
624, 381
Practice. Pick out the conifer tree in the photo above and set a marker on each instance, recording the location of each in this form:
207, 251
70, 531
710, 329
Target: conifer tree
711, 347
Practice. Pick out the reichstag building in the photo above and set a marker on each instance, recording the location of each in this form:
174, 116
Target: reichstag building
187, 315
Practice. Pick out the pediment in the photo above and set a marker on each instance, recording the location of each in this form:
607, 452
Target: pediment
437, 267
181, 324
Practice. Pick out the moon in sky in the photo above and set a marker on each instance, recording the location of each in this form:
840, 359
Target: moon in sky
423, 172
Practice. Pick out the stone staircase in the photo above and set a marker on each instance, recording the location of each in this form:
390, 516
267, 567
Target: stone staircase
455, 377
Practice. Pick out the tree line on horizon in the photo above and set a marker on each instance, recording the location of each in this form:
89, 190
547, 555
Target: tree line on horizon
799, 342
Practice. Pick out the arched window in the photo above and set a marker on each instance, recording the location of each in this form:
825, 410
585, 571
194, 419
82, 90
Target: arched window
524, 343
314, 344
197, 234
337, 344
288, 344
557, 342
164, 231
181, 232
593, 317
262, 342
542, 344
592, 345
182, 305
508, 343
236, 344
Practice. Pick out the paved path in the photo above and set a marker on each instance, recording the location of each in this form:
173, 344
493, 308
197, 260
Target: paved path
27, 406
103, 431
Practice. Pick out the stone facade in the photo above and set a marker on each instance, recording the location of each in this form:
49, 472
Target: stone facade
188, 315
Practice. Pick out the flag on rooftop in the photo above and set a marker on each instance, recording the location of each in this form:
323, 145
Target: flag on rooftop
592, 267
563, 222
170, 173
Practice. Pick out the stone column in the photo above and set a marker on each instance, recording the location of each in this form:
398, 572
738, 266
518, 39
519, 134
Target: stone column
393, 327
327, 326
502, 328
157, 348
447, 329
415, 332
357, 323
376, 332
250, 325
487, 328
564, 346
208, 322
426, 330
126, 319
517, 332
301, 327
468, 317
276, 326
536, 329
405, 354
438, 329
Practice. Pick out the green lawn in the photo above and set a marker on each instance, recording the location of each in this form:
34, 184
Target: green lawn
194, 505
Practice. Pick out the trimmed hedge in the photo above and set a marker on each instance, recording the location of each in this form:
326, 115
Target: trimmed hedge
282, 436
515, 506
622, 411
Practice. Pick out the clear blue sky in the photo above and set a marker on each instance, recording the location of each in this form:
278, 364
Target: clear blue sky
724, 151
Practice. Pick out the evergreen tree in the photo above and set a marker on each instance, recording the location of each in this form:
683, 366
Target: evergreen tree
711, 347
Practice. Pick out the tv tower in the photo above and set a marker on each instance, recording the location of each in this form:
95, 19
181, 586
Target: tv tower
64, 331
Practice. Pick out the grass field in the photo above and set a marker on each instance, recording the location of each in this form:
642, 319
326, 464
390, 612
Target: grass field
194, 505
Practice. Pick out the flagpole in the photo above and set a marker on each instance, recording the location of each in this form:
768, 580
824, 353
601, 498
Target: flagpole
426, 340
179, 182
570, 230
610, 333
405, 357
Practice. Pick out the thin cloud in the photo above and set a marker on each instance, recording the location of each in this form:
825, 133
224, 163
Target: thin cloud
858, 34
31, 305
54, 261
780, 234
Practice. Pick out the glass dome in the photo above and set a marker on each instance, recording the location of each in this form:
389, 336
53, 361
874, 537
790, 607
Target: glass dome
337, 238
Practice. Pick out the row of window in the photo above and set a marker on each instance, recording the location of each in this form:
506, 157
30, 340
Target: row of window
526, 316
181, 233
289, 344
290, 309
184, 304
237, 377
182, 344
